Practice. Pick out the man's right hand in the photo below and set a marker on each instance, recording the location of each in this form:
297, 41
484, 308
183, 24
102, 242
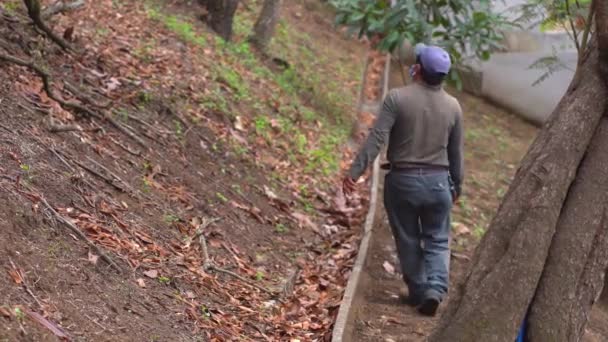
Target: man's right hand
455, 197
348, 185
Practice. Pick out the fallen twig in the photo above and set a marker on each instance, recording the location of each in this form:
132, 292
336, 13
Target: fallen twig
61, 7
94, 172
115, 176
24, 283
208, 264
52, 327
54, 127
81, 235
58, 155
125, 130
126, 148
83, 97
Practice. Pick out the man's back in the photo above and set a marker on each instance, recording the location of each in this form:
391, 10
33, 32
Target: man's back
425, 117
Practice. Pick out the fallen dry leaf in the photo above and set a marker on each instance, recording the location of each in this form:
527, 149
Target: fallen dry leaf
460, 229
93, 258
304, 220
270, 194
388, 267
16, 275
5, 312
151, 274
238, 123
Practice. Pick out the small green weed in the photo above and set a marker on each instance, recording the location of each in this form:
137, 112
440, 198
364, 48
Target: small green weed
478, 231
170, 218
164, 280
262, 126
221, 197
179, 129
205, 311
280, 228
123, 114
147, 166
234, 81
11, 6
144, 97
181, 28
19, 314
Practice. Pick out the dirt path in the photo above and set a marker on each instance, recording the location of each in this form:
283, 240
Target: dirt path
495, 142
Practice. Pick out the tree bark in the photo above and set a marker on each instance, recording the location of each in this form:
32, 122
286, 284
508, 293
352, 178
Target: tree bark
509, 261
573, 275
220, 16
266, 23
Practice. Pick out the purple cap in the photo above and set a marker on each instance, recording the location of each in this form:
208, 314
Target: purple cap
434, 59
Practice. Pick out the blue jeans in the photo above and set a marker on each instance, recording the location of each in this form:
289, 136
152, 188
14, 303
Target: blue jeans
418, 207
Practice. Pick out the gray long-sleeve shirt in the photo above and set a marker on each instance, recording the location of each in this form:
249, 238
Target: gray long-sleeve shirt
424, 127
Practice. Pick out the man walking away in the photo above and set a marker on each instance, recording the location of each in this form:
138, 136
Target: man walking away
423, 124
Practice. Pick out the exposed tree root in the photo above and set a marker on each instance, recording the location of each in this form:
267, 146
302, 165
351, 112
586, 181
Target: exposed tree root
46, 81
33, 9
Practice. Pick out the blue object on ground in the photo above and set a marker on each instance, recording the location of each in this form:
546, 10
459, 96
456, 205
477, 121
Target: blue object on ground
522, 331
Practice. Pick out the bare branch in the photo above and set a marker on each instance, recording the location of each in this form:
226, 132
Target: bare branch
574, 33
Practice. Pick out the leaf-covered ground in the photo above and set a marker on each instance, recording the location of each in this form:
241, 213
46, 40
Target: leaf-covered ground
190, 147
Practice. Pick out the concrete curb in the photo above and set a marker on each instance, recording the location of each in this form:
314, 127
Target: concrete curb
352, 288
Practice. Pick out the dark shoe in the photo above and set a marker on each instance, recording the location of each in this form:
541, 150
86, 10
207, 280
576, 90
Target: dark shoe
430, 303
410, 300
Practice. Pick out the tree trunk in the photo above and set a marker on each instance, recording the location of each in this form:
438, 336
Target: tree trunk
220, 16
573, 275
266, 23
506, 270
508, 263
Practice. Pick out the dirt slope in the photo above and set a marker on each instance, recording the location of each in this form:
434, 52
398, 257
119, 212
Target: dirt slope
208, 138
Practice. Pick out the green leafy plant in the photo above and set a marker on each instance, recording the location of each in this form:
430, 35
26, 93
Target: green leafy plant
570, 16
466, 29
